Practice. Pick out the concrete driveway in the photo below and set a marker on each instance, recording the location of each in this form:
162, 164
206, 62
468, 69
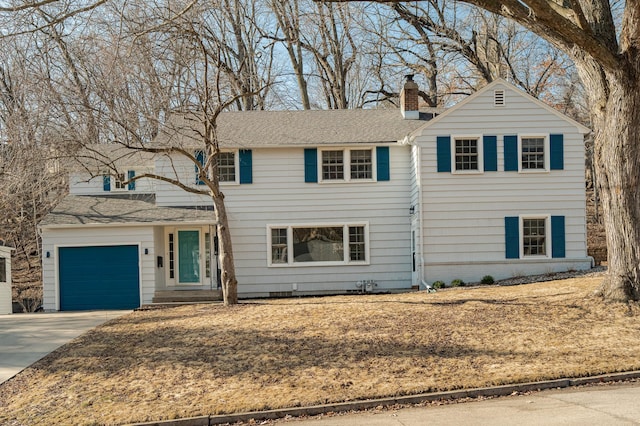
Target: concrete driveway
25, 338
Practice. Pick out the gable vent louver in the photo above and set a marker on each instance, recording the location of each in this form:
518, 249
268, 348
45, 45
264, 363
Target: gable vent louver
498, 98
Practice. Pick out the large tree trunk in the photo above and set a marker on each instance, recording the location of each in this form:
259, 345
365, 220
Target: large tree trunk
227, 266
617, 161
614, 99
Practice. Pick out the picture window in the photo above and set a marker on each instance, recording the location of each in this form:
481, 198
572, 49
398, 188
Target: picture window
332, 244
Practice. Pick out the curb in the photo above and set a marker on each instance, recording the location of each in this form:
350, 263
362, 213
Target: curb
314, 410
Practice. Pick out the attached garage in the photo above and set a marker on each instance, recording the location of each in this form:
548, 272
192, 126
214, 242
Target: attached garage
99, 277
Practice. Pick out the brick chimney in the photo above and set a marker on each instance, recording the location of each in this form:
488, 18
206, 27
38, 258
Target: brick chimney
409, 99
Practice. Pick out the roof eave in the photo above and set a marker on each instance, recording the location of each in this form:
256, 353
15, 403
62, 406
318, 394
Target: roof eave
127, 224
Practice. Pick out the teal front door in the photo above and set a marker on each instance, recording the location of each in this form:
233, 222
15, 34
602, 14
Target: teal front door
188, 257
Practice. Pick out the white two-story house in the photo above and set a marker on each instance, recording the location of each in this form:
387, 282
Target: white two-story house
330, 202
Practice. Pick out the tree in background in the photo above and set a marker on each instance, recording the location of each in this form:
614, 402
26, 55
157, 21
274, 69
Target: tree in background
115, 72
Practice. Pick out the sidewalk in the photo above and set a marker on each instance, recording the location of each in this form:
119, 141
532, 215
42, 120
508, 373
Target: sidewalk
617, 404
25, 338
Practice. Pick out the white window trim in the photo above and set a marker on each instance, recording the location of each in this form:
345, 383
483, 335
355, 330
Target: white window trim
347, 164
174, 282
236, 164
547, 236
345, 236
114, 180
547, 154
480, 155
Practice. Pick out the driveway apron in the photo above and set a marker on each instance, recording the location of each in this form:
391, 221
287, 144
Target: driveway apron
25, 338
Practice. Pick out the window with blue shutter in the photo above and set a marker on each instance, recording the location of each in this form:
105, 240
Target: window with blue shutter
200, 158
557, 236
382, 163
310, 165
246, 166
490, 153
130, 175
511, 153
443, 154
556, 143
512, 237
106, 183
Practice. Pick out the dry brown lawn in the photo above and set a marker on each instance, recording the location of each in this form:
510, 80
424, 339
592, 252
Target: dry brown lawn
207, 359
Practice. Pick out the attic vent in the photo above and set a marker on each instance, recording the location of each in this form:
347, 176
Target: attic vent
498, 98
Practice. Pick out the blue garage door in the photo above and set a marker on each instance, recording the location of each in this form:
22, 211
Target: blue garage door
100, 277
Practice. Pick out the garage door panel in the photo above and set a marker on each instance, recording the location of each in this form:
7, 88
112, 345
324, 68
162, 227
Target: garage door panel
99, 277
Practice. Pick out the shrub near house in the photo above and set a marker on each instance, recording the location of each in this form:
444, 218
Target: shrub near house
321, 201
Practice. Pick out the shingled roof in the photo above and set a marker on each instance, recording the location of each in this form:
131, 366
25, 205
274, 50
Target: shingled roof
251, 129
128, 209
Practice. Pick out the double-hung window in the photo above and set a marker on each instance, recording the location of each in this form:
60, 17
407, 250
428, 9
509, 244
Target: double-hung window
227, 167
116, 182
227, 162
346, 164
532, 153
119, 182
361, 164
534, 236
332, 165
312, 245
467, 154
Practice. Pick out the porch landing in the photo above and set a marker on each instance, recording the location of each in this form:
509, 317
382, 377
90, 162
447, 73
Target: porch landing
186, 296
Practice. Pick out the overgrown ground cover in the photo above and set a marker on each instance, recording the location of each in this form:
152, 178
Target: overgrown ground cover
207, 359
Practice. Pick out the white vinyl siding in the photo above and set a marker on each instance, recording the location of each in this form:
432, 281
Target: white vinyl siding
83, 184
463, 216
277, 198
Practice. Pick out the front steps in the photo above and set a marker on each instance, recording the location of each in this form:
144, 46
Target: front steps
186, 296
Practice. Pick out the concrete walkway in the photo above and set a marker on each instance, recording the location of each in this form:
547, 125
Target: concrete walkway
25, 338
598, 405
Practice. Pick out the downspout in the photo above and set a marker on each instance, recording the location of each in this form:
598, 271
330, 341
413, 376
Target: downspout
408, 140
213, 266
420, 224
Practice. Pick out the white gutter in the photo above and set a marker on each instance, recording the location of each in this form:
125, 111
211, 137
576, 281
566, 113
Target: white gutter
126, 224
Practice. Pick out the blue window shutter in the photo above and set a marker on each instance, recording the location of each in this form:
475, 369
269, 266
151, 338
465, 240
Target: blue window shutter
382, 162
130, 175
106, 183
556, 147
512, 237
511, 153
310, 165
490, 148
443, 145
557, 236
246, 166
200, 158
